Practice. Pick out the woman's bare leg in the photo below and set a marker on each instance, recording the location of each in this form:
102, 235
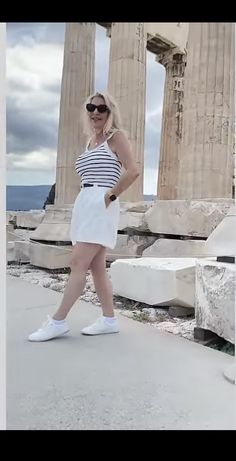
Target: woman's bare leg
82, 255
102, 283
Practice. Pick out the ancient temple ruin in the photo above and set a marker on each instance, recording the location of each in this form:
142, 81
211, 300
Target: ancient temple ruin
195, 185
195, 181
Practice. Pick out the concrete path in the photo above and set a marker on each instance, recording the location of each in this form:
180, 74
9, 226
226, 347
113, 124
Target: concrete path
137, 379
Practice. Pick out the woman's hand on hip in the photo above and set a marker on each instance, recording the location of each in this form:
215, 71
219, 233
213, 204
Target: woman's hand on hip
106, 198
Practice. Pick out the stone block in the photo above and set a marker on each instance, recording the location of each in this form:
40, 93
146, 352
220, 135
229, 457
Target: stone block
215, 298
129, 245
155, 281
11, 217
50, 256
55, 226
222, 241
187, 217
172, 248
29, 219
22, 251
132, 215
11, 252
10, 234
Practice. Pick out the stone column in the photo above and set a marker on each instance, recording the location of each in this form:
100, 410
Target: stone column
206, 161
77, 84
171, 132
127, 83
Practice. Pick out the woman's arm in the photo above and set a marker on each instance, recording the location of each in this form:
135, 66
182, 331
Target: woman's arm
121, 146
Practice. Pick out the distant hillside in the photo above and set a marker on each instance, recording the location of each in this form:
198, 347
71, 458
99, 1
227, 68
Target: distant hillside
24, 198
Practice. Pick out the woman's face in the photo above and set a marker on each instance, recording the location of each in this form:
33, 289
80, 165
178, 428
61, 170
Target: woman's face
98, 119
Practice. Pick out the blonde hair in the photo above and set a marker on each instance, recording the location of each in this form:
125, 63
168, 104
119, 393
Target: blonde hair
113, 122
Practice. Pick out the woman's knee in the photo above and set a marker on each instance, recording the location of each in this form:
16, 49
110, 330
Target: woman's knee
98, 267
77, 264
82, 256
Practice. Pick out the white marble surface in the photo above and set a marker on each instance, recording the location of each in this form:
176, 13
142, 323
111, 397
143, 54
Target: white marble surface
10, 216
171, 248
10, 234
50, 256
132, 215
11, 251
165, 281
215, 298
55, 225
29, 219
22, 251
129, 245
222, 241
187, 217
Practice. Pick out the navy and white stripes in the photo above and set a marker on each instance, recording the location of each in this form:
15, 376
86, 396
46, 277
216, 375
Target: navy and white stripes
99, 166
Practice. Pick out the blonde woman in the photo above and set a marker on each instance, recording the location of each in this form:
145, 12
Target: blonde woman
95, 215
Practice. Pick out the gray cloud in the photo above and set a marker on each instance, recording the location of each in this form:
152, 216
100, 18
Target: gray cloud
15, 85
54, 87
152, 148
27, 132
28, 33
31, 121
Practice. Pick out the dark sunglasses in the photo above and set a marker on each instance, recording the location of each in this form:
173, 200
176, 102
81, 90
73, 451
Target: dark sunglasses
101, 108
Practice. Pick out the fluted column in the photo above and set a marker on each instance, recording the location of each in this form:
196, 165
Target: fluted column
127, 83
206, 160
77, 84
171, 131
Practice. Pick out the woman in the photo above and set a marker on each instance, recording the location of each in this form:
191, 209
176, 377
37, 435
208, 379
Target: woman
95, 215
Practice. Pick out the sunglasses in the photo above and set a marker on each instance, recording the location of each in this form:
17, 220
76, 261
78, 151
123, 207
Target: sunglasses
101, 108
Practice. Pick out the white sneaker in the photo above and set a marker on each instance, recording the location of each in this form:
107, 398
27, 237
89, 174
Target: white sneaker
49, 330
101, 327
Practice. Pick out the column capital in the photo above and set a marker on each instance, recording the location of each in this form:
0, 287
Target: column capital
172, 56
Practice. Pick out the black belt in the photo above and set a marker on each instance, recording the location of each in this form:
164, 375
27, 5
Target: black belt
92, 185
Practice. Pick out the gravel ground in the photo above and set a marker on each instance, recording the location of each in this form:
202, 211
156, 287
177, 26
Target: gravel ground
158, 318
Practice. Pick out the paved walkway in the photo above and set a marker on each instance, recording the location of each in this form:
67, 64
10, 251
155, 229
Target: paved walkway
137, 379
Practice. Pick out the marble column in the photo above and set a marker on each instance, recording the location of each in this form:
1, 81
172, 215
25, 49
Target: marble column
77, 84
127, 83
171, 132
206, 160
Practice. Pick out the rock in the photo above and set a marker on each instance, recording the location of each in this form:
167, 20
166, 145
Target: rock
172, 248
11, 257
154, 281
132, 215
50, 256
22, 251
55, 226
187, 217
215, 298
29, 219
129, 245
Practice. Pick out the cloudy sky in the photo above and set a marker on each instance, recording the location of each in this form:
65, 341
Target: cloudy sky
34, 70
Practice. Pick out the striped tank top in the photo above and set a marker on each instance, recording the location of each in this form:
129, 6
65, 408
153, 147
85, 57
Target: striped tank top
99, 166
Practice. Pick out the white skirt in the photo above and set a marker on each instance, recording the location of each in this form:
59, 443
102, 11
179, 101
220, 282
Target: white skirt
92, 221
